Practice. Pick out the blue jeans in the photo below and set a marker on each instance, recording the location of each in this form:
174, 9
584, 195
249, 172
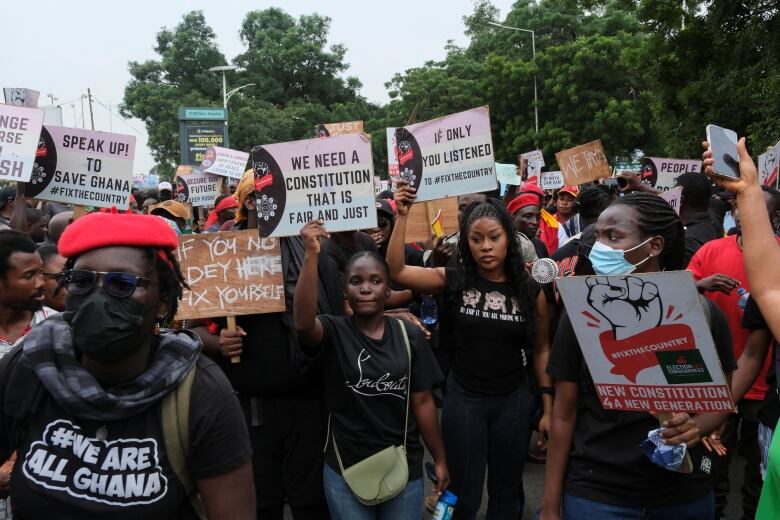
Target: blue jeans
343, 505
486, 431
575, 508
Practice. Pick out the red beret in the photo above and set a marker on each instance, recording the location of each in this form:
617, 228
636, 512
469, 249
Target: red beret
532, 187
98, 230
523, 200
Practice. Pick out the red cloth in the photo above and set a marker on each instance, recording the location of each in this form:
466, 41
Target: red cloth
98, 230
523, 200
724, 256
226, 203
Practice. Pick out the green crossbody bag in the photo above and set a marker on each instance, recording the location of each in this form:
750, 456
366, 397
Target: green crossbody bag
384, 474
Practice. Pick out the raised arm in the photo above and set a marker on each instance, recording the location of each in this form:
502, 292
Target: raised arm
759, 247
421, 279
307, 325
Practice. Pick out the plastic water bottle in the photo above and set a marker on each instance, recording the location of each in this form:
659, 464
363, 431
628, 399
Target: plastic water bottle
445, 507
428, 310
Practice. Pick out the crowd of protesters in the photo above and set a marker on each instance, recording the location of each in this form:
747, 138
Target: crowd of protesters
110, 407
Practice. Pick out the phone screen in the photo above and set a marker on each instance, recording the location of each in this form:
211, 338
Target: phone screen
723, 144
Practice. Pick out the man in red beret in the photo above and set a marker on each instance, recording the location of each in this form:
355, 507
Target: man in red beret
86, 390
525, 210
548, 224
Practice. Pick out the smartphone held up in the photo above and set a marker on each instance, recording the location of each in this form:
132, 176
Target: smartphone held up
723, 145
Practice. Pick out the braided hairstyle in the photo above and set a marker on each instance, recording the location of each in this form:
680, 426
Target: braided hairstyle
656, 217
521, 285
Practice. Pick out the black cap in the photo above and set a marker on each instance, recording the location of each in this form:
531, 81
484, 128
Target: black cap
8, 193
384, 208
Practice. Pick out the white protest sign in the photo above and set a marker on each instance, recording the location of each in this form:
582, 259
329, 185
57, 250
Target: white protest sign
83, 167
330, 179
674, 198
768, 165
20, 130
661, 173
225, 162
448, 156
535, 160
199, 189
507, 174
647, 342
551, 180
21, 97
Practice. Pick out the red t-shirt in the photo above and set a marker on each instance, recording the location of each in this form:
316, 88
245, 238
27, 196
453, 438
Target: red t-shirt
724, 256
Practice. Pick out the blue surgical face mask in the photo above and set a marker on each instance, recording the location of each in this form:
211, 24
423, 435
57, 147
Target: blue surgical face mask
607, 261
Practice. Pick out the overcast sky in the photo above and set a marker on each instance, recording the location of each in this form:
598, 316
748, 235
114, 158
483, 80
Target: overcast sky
61, 47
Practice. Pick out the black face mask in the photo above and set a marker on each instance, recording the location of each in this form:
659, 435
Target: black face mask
104, 327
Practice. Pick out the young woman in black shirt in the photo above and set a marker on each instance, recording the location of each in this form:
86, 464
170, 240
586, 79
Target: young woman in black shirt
375, 373
595, 466
495, 316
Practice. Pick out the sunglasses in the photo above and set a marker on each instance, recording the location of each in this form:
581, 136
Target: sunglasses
120, 285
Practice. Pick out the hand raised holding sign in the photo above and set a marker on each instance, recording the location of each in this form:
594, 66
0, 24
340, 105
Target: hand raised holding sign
630, 304
404, 197
311, 234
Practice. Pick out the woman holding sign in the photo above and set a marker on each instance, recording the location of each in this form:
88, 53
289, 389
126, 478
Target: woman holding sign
498, 317
595, 465
375, 370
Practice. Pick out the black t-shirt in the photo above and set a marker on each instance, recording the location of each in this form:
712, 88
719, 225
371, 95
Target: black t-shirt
366, 384
62, 471
486, 336
606, 463
697, 233
769, 414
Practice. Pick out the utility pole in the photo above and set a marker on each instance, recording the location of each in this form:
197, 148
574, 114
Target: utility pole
91, 115
83, 124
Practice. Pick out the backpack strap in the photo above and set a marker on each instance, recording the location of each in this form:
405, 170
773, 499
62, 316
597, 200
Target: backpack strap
175, 411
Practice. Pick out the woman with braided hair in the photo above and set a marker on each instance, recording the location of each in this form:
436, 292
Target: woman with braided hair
595, 466
497, 317
111, 417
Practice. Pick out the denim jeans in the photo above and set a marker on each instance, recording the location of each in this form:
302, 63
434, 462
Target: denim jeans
576, 508
343, 505
486, 431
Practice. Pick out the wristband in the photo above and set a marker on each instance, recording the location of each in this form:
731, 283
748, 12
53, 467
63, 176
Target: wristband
549, 390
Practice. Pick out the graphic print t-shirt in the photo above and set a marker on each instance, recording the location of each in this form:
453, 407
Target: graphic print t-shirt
63, 471
486, 336
367, 381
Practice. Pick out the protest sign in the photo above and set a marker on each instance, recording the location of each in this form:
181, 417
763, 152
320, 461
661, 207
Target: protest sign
224, 161
584, 163
534, 162
508, 174
83, 167
768, 163
421, 214
647, 342
21, 97
198, 138
448, 156
334, 129
231, 273
661, 173
199, 189
674, 198
330, 179
20, 130
551, 180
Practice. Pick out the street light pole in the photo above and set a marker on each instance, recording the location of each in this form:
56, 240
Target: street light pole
533, 53
223, 69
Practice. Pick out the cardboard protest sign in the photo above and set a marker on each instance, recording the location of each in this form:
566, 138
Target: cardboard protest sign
199, 189
333, 129
551, 180
330, 179
421, 214
20, 129
232, 273
647, 342
661, 173
534, 162
584, 163
83, 167
508, 174
21, 97
224, 161
674, 198
448, 156
768, 165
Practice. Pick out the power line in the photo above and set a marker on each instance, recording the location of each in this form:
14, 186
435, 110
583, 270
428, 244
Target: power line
134, 129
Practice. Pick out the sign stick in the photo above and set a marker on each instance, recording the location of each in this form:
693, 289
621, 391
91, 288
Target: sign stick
231, 325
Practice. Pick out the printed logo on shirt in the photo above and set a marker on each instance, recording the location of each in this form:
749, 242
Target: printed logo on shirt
124, 472
496, 306
383, 385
